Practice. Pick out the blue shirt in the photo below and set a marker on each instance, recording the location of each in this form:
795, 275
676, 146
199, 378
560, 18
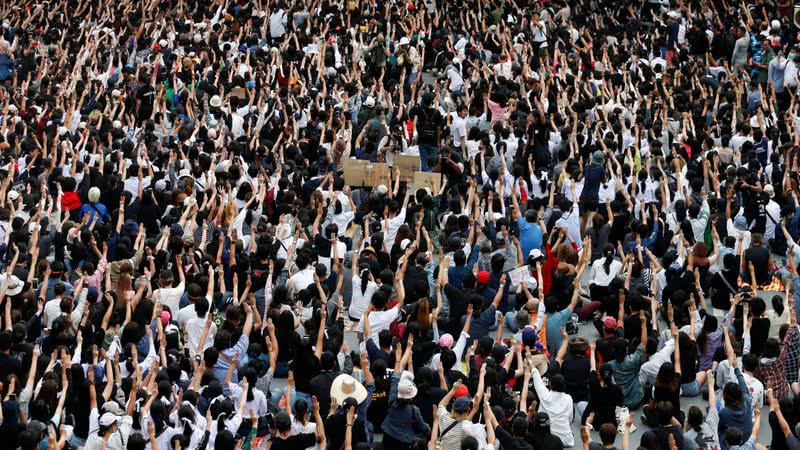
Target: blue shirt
92, 209
530, 236
553, 326
224, 362
456, 276
741, 417
626, 375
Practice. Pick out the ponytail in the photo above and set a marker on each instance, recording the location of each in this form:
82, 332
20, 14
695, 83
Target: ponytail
609, 258
188, 429
364, 280
221, 422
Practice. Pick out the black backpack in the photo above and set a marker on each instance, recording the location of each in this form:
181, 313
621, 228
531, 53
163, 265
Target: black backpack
427, 129
704, 442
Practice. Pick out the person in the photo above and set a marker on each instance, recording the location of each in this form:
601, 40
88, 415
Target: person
403, 423
738, 412
701, 430
626, 367
557, 404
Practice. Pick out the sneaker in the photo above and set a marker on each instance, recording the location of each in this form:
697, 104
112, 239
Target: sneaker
622, 417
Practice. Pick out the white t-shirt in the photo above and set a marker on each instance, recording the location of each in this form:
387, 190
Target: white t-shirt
52, 311
170, 297
194, 331
455, 78
360, 301
394, 225
257, 405
326, 260
774, 211
571, 221
378, 321
302, 279
459, 130
599, 275
186, 314
277, 23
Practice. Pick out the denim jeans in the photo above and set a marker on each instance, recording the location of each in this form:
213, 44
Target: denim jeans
426, 151
278, 393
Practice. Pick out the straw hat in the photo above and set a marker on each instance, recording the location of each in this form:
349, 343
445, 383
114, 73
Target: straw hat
345, 386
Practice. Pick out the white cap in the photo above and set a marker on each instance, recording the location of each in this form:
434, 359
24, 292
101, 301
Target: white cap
107, 419
535, 253
404, 41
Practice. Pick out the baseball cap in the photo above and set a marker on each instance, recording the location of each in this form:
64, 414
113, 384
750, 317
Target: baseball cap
740, 223
107, 419
609, 323
462, 391
461, 405
528, 336
483, 277
543, 419
446, 340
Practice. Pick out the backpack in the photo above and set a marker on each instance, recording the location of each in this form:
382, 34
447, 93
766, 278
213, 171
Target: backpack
704, 442
427, 128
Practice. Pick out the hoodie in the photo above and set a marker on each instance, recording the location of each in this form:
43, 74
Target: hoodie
741, 417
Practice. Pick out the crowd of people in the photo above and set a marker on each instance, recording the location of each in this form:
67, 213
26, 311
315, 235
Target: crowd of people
184, 265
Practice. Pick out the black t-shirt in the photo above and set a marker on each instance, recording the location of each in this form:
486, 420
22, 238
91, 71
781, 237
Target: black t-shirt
415, 276
544, 441
603, 401
146, 96
759, 332
663, 436
425, 402
23, 352
429, 123
379, 406
304, 440
619, 228
336, 428
723, 286
665, 394
576, 370
9, 365
605, 345
458, 308
759, 256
